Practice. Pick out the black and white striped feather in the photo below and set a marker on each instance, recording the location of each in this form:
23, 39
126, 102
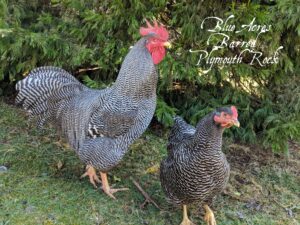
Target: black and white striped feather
180, 132
195, 169
99, 124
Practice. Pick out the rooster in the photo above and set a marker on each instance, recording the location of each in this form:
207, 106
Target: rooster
196, 170
99, 125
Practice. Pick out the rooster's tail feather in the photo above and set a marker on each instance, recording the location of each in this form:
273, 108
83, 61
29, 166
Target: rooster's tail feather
42, 90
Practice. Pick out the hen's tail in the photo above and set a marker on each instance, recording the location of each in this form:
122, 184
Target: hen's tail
181, 131
44, 90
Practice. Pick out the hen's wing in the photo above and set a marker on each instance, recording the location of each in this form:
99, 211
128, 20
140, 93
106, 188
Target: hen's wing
180, 132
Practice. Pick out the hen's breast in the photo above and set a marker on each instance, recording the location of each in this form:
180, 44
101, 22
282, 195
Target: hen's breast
188, 178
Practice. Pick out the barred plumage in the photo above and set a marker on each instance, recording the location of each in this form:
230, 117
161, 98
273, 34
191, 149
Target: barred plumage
98, 124
196, 170
181, 132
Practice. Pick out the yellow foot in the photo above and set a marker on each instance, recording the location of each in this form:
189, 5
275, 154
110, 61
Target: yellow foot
209, 216
111, 191
91, 172
185, 220
106, 188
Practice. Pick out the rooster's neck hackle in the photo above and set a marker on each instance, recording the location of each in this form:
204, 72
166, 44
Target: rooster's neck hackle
138, 76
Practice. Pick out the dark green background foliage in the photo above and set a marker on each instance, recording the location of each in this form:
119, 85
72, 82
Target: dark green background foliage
91, 38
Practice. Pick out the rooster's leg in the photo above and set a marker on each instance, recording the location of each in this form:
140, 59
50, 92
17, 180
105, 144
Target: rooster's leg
106, 188
185, 220
209, 216
91, 172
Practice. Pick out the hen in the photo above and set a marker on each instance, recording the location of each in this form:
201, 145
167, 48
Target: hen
196, 169
99, 125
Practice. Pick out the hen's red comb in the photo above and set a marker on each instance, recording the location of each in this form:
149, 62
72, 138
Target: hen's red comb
158, 29
234, 111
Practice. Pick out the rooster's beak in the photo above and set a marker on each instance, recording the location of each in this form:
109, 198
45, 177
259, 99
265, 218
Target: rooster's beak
167, 44
236, 123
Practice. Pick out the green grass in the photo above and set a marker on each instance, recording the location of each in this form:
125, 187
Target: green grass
37, 190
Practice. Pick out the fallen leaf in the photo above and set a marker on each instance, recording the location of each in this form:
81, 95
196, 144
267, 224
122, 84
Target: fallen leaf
237, 193
59, 165
117, 179
153, 169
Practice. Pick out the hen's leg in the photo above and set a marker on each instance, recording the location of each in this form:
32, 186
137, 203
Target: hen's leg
185, 220
91, 172
106, 188
209, 216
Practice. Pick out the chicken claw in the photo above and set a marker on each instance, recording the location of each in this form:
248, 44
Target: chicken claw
91, 172
209, 216
106, 188
186, 220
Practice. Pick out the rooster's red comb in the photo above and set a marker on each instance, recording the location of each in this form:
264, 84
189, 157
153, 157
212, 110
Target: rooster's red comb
234, 111
157, 29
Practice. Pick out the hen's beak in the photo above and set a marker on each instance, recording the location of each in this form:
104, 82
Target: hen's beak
236, 123
167, 44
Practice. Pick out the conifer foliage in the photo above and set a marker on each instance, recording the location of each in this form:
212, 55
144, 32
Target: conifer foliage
90, 39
